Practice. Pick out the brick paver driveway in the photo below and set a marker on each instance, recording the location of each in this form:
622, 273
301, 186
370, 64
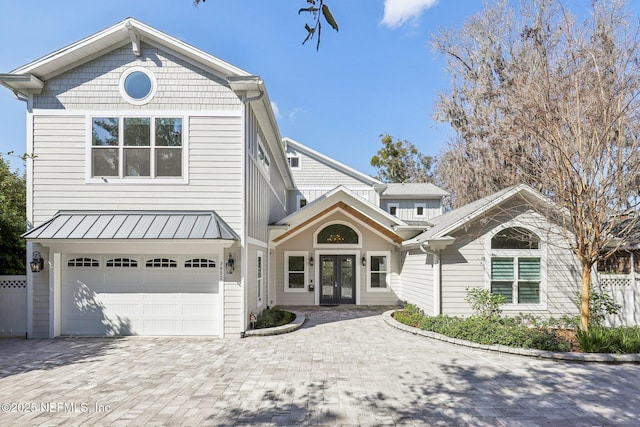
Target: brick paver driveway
345, 367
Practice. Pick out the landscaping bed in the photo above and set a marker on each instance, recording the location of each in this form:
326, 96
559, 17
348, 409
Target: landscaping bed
524, 332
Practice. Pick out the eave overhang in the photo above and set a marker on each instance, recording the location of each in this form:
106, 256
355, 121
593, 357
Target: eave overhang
24, 84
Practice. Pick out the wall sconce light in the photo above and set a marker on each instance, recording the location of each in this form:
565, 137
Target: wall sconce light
230, 265
364, 261
310, 261
37, 264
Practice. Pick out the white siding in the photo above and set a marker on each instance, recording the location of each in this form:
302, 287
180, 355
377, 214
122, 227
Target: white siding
312, 193
417, 280
304, 242
94, 85
407, 208
215, 173
266, 191
465, 263
41, 296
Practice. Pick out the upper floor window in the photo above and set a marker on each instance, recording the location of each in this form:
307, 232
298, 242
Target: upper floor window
263, 156
338, 234
516, 266
136, 147
393, 208
294, 161
137, 86
421, 210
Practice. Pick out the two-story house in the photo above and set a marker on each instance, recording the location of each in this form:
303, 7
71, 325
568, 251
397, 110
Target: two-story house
163, 201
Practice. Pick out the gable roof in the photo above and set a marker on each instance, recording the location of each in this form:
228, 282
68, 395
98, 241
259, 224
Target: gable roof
412, 190
451, 221
345, 200
31, 78
128, 31
133, 225
347, 170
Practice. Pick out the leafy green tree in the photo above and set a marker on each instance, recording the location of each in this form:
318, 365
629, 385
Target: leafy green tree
13, 209
318, 9
400, 161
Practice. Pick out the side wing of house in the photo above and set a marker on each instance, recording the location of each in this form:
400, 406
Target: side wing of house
503, 243
316, 174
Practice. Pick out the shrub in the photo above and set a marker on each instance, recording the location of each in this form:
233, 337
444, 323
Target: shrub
484, 303
272, 317
601, 304
609, 340
485, 330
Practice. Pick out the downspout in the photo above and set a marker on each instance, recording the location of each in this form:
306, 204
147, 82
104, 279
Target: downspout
437, 285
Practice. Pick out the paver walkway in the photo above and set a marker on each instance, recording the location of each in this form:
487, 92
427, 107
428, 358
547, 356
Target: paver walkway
344, 367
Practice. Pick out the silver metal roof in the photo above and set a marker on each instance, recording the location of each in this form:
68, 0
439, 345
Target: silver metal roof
133, 225
412, 190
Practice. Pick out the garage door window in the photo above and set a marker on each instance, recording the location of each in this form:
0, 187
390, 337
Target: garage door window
200, 263
122, 262
161, 263
83, 262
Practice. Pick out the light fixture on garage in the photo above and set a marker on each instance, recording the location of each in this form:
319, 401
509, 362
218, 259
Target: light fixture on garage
364, 261
230, 265
37, 264
310, 261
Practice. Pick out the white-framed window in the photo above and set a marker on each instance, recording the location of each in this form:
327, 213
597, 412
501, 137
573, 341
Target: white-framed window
516, 267
137, 85
295, 271
301, 202
263, 156
337, 233
420, 210
136, 148
378, 271
259, 276
294, 161
393, 208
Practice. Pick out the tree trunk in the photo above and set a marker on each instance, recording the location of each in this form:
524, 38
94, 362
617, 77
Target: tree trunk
584, 299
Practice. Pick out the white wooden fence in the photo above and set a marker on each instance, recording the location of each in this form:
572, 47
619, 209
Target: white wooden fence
625, 290
13, 306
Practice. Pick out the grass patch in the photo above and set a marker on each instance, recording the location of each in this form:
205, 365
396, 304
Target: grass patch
272, 317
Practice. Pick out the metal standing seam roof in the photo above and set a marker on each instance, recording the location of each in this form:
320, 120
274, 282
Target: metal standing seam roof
144, 225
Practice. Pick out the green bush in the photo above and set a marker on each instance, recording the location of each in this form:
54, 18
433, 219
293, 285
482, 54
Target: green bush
272, 317
484, 330
484, 303
609, 340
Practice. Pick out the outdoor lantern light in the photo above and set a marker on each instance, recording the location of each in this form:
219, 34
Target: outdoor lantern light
310, 261
230, 265
37, 264
364, 261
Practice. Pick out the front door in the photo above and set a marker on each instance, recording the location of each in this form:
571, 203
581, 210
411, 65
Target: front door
337, 279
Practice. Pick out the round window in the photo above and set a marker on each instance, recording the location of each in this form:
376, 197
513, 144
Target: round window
137, 86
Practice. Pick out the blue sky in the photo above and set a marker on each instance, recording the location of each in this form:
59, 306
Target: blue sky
376, 75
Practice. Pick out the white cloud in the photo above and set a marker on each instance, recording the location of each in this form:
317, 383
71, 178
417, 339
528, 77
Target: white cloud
399, 12
276, 110
294, 113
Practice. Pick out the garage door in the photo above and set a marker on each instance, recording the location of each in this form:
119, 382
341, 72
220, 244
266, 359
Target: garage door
140, 295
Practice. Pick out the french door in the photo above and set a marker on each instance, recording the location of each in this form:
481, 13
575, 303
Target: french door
337, 279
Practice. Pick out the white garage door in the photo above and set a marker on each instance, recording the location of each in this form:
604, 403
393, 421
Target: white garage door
140, 295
